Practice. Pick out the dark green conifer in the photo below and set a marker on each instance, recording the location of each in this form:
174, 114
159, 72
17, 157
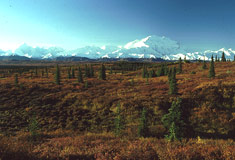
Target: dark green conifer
36, 71
73, 73
216, 59
172, 82
180, 66
111, 70
87, 71
212, 68
143, 127
33, 127
57, 75
152, 74
69, 74
102, 74
165, 69
144, 72
173, 121
91, 71
118, 122
16, 80
204, 64
223, 59
80, 78
46, 72
86, 84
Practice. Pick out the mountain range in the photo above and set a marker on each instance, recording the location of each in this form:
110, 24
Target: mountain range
149, 47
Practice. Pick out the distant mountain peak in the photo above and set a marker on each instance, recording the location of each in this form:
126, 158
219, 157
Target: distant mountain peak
149, 47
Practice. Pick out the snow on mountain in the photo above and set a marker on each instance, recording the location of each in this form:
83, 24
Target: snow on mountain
137, 43
149, 47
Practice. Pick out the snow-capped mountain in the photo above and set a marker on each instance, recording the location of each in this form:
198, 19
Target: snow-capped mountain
149, 47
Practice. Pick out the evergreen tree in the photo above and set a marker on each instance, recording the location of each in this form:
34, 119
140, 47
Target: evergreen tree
172, 82
16, 80
234, 58
33, 127
80, 79
87, 71
143, 127
86, 84
69, 74
111, 70
162, 71
212, 69
102, 72
165, 69
216, 59
185, 60
36, 71
204, 64
91, 71
180, 66
57, 75
46, 71
144, 72
73, 73
152, 73
223, 59
173, 121
118, 122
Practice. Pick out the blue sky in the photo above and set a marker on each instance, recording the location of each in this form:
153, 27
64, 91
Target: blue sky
197, 24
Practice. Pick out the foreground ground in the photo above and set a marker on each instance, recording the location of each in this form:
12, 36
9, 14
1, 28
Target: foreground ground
63, 145
63, 115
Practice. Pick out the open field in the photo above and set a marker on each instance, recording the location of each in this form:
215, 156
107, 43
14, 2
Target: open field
77, 120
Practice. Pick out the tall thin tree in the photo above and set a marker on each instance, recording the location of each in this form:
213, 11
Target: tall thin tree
80, 79
102, 74
173, 121
57, 75
223, 59
180, 66
212, 68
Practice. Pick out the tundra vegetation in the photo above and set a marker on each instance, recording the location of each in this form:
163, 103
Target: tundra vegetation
117, 110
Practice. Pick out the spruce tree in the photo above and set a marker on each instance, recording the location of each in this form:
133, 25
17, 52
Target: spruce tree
118, 122
87, 71
180, 66
111, 70
212, 68
69, 74
36, 71
173, 121
143, 128
234, 58
216, 59
91, 71
144, 72
102, 74
16, 80
80, 79
57, 75
46, 72
204, 65
223, 59
172, 82
33, 127
162, 72
73, 73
